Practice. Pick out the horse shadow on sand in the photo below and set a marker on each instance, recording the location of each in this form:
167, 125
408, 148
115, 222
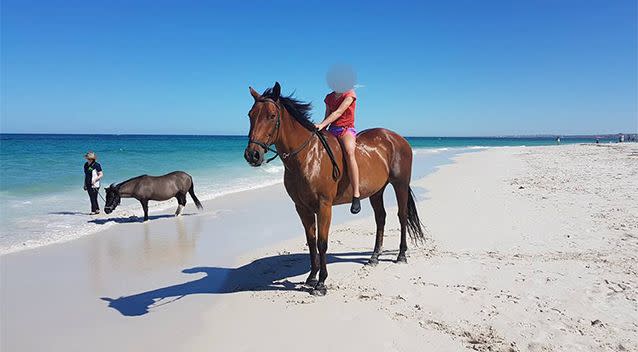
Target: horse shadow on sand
133, 218
264, 274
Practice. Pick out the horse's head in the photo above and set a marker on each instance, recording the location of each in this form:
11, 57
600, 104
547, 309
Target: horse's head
265, 118
113, 198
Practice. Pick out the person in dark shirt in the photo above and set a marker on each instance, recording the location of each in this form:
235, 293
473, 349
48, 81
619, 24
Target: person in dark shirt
92, 175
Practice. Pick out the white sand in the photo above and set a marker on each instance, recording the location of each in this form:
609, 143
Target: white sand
532, 249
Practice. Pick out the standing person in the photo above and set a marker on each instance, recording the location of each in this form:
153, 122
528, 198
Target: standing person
340, 106
92, 175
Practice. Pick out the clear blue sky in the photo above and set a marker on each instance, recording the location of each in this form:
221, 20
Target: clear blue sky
459, 68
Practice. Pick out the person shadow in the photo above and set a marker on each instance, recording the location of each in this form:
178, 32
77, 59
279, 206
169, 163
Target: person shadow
264, 274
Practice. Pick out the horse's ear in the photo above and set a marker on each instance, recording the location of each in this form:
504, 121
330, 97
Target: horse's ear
254, 93
276, 91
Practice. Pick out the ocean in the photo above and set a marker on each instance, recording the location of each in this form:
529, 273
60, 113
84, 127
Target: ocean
41, 176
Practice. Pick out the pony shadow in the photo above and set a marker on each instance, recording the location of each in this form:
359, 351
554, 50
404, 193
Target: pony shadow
264, 274
67, 213
133, 218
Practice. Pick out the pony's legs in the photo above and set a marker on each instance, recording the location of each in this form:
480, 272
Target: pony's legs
181, 203
145, 207
402, 191
376, 200
323, 219
310, 226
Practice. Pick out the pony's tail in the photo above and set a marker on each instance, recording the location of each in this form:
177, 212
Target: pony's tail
415, 227
191, 191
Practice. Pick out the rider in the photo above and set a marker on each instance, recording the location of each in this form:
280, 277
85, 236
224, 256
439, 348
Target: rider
340, 106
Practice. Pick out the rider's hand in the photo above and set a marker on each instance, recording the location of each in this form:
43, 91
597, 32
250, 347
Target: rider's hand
319, 126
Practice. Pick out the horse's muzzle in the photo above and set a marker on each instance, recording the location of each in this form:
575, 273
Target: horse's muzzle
255, 157
108, 210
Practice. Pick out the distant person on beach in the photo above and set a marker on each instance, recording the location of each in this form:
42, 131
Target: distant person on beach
558, 140
339, 118
92, 175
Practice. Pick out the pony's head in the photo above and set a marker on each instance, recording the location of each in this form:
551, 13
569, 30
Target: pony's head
113, 198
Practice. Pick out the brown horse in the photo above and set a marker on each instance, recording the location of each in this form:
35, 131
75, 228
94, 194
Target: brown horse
312, 175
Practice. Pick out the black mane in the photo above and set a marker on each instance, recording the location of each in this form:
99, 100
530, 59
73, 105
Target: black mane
297, 108
129, 180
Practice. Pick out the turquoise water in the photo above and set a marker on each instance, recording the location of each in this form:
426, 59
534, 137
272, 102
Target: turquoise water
41, 176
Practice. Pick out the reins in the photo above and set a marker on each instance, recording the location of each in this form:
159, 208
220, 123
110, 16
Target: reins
322, 138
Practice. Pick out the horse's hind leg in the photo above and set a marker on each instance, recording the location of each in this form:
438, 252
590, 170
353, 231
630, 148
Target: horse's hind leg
145, 207
310, 226
402, 191
181, 203
376, 200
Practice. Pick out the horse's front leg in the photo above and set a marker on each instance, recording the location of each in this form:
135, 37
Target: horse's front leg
323, 219
310, 226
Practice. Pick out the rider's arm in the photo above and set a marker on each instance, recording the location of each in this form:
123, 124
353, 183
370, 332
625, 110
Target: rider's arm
333, 116
99, 175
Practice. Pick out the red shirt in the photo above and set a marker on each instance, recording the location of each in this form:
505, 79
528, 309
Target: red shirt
334, 100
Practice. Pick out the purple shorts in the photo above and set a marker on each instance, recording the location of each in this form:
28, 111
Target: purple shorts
340, 131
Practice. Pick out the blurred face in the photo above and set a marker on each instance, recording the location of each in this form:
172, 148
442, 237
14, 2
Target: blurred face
341, 78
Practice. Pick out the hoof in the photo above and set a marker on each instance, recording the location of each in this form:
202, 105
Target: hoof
402, 259
319, 290
373, 261
311, 283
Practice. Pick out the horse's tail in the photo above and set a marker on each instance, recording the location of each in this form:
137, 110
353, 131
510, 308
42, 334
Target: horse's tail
191, 191
415, 227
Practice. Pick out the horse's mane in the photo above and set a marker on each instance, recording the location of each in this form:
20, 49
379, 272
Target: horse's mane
297, 108
129, 180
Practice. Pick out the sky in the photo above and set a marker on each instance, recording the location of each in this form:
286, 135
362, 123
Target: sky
453, 68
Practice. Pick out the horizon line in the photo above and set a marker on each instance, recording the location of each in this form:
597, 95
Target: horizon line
243, 135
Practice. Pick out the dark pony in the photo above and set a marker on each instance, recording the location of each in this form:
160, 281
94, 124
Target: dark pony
145, 188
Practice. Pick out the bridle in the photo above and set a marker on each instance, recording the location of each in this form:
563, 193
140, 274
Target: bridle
268, 146
114, 205
275, 130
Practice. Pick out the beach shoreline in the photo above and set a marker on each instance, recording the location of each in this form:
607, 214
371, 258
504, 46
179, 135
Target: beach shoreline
57, 224
472, 285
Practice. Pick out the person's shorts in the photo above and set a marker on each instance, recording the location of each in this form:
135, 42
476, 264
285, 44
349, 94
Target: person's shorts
340, 131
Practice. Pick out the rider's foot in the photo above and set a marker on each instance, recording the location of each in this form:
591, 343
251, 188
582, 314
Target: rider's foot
356, 205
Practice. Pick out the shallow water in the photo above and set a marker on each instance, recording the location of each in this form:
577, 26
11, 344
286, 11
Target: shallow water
41, 196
